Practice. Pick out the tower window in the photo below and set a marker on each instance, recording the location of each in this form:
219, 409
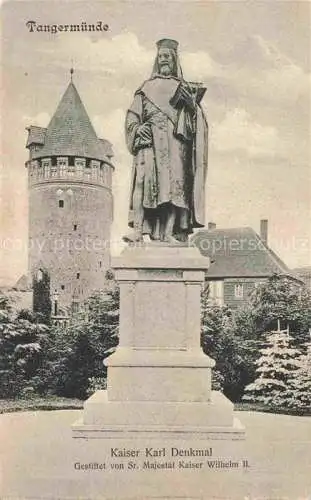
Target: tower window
100, 263
61, 203
63, 287
79, 166
78, 276
54, 171
71, 171
75, 227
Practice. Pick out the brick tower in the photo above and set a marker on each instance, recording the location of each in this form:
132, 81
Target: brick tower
70, 204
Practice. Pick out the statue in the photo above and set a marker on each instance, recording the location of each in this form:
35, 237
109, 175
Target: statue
166, 133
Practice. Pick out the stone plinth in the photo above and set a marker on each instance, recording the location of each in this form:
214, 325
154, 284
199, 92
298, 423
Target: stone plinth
159, 379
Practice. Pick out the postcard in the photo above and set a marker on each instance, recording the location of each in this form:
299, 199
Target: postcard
149, 148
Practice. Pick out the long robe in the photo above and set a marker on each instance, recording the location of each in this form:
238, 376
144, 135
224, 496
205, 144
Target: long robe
173, 168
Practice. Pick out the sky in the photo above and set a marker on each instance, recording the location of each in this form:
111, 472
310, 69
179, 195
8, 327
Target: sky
253, 57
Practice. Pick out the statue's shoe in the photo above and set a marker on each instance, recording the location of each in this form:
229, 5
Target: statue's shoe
171, 241
132, 238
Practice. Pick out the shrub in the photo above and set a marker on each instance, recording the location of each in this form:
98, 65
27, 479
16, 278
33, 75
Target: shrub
75, 355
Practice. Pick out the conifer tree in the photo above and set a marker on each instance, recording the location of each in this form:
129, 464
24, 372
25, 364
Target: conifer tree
300, 388
276, 369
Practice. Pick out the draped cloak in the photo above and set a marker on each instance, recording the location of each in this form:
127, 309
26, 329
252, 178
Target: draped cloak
173, 168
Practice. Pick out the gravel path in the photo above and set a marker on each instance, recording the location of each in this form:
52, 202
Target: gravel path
38, 454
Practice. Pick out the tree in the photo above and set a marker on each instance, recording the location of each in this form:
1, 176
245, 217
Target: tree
285, 300
21, 343
41, 295
300, 387
220, 342
245, 323
275, 370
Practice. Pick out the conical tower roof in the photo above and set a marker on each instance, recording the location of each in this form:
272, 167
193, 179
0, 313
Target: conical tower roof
70, 132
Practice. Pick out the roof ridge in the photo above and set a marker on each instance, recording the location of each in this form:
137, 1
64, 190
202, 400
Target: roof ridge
238, 252
36, 126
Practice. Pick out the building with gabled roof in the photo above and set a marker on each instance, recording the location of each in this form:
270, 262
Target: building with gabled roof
240, 259
70, 203
304, 273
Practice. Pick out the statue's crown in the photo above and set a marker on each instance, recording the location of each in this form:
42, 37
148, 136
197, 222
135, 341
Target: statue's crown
167, 43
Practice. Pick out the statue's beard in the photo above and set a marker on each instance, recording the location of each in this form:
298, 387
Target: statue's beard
166, 70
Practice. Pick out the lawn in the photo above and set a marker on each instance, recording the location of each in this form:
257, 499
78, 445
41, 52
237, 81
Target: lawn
59, 403
39, 403
38, 456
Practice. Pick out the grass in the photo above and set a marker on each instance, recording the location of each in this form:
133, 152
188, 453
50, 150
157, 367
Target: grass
39, 403
57, 403
272, 409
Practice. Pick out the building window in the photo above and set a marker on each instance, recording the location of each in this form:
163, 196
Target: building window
61, 203
75, 227
216, 291
63, 287
78, 276
238, 291
100, 263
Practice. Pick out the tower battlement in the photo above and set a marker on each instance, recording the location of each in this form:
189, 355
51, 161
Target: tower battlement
69, 168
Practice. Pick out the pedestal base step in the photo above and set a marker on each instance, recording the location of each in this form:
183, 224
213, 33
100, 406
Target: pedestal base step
113, 419
159, 375
235, 432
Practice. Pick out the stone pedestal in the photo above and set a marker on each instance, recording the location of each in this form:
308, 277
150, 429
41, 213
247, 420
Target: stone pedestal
159, 379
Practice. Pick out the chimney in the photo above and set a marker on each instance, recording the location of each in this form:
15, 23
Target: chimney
211, 225
264, 230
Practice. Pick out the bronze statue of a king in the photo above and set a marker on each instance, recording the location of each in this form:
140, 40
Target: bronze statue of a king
166, 132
